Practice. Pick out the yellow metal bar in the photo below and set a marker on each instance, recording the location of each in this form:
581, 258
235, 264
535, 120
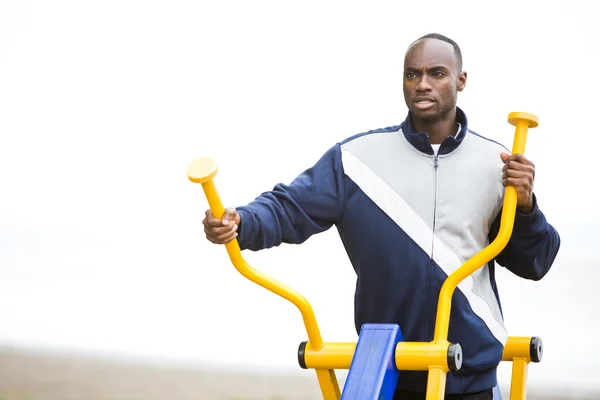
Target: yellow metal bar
233, 249
409, 356
436, 383
328, 383
203, 171
517, 347
522, 122
416, 356
333, 355
519, 379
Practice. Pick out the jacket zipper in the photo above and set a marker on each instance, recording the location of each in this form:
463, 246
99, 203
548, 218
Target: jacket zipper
435, 168
430, 272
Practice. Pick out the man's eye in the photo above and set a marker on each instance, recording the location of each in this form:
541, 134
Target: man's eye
410, 74
438, 73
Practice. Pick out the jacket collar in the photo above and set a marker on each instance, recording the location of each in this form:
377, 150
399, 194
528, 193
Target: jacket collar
420, 140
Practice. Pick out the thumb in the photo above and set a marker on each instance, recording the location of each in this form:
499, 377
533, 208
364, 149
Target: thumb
504, 156
229, 214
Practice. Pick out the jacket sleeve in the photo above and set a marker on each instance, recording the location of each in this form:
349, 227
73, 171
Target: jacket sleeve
310, 204
532, 247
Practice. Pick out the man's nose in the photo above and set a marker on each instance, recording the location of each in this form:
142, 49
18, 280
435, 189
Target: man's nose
423, 84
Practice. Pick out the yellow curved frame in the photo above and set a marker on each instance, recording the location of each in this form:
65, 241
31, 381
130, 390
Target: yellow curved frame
427, 356
202, 171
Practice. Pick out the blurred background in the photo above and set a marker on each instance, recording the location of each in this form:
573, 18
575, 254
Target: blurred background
108, 288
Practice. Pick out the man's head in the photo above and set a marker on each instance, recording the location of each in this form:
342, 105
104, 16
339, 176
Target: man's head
433, 77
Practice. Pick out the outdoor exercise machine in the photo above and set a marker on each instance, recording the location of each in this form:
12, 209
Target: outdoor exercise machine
376, 359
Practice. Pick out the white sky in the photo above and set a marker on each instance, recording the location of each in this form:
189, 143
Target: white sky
103, 105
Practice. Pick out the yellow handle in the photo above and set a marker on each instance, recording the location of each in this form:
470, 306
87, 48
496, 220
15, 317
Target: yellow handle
203, 171
522, 122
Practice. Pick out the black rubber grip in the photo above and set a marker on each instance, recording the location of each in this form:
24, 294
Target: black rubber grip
301, 352
536, 349
455, 357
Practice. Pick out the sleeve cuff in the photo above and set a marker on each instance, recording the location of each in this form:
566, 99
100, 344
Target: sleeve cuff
245, 227
527, 223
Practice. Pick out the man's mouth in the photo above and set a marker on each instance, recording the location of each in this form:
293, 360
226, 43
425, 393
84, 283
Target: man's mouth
423, 103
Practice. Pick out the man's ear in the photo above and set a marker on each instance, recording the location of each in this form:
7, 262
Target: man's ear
461, 82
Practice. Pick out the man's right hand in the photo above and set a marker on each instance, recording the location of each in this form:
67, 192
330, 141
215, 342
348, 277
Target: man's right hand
224, 230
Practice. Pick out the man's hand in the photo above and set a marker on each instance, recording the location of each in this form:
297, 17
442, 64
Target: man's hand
519, 172
224, 230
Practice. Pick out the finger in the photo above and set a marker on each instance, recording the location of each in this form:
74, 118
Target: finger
235, 235
225, 241
517, 166
522, 185
224, 234
519, 158
522, 159
212, 240
515, 173
228, 237
208, 216
211, 220
228, 215
217, 231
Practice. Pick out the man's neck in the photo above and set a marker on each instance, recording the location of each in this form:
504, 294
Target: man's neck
439, 130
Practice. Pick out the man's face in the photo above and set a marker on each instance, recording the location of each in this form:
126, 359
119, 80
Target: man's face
431, 80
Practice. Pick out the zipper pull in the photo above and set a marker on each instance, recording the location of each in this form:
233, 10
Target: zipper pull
435, 161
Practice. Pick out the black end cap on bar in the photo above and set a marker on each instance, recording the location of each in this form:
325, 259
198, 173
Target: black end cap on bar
301, 350
536, 349
455, 357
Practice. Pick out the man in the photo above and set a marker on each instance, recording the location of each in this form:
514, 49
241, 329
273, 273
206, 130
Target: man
411, 204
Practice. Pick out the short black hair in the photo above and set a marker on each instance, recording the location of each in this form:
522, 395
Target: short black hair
439, 36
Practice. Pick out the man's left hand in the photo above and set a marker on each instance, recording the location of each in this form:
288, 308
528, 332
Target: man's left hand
519, 172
